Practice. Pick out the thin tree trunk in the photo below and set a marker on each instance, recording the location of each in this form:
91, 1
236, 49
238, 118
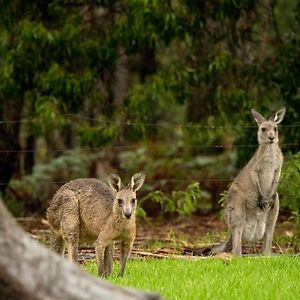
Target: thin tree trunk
121, 76
30, 271
10, 114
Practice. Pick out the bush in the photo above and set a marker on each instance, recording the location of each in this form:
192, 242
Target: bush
36, 189
289, 186
289, 190
180, 202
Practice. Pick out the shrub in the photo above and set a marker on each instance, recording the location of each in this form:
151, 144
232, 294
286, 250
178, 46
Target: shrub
180, 202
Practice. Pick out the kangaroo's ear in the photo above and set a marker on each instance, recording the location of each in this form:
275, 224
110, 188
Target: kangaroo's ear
258, 117
278, 116
114, 181
137, 181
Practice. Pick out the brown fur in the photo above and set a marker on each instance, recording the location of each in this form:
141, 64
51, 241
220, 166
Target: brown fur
89, 210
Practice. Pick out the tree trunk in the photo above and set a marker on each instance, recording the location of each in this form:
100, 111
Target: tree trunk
30, 271
9, 148
29, 154
121, 76
10, 114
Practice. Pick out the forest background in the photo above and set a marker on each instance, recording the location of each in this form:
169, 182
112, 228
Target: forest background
165, 87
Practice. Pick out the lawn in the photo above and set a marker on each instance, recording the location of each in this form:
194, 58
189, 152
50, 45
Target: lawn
276, 277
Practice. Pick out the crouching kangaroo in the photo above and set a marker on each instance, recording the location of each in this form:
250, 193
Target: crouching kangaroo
90, 210
252, 203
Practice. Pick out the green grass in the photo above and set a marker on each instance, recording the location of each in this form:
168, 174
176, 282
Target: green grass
256, 278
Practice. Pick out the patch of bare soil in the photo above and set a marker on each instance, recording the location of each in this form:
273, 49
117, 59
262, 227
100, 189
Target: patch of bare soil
172, 236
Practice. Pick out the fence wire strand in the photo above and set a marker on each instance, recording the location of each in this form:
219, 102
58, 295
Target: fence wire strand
74, 116
133, 147
158, 145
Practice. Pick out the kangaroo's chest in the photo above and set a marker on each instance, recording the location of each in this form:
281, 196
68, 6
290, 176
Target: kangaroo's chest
268, 169
269, 163
124, 229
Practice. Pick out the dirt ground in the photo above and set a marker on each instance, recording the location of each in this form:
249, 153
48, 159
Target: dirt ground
175, 236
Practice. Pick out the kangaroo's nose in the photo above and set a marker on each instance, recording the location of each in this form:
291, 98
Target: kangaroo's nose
271, 138
127, 215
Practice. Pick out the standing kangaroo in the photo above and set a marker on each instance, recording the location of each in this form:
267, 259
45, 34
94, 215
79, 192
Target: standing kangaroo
252, 203
90, 210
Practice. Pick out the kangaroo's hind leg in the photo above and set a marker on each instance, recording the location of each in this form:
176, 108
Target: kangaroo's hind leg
108, 258
235, 215
270, 226
126, 247
71, 236
70, 226
57, 243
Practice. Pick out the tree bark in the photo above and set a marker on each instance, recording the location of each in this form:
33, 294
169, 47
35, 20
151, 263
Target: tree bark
28, 270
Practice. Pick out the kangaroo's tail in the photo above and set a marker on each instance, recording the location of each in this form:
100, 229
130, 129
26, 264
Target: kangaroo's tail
226, 246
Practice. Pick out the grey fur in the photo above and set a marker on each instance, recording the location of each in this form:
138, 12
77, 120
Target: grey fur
90, 210
252, 203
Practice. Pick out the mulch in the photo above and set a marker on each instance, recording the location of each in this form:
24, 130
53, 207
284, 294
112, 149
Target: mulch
176, 237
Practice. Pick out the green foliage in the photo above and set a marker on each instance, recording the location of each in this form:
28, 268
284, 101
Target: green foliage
289, 183
95, 136
150, 103
148, 24
15, 207
187, 62
71, 86
289, 191
133, 160
295, 239
38, 188
289, 186
181, 202
50, 54
48, 115
168, 169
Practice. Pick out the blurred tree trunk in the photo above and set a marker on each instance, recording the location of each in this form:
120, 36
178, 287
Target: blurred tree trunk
30, 271
121, 76
199, 105
10, 114
29, 154
147, 64
269, 26
121, 87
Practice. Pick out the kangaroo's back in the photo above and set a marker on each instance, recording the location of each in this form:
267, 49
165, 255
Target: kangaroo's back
87, 200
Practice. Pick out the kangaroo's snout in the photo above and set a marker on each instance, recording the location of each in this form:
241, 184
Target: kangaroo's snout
271, 138
128, 215
127, 212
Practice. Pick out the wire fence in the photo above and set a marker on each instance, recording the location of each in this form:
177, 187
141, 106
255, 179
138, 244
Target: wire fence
134, 147
160, 182
159, 124
157, 145
148, 146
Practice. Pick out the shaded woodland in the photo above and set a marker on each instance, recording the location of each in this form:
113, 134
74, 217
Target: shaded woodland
93, 87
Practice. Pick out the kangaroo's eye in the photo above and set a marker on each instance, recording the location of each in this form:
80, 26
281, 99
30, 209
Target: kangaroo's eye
275, 129
120, 201
263, 128
133, 200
